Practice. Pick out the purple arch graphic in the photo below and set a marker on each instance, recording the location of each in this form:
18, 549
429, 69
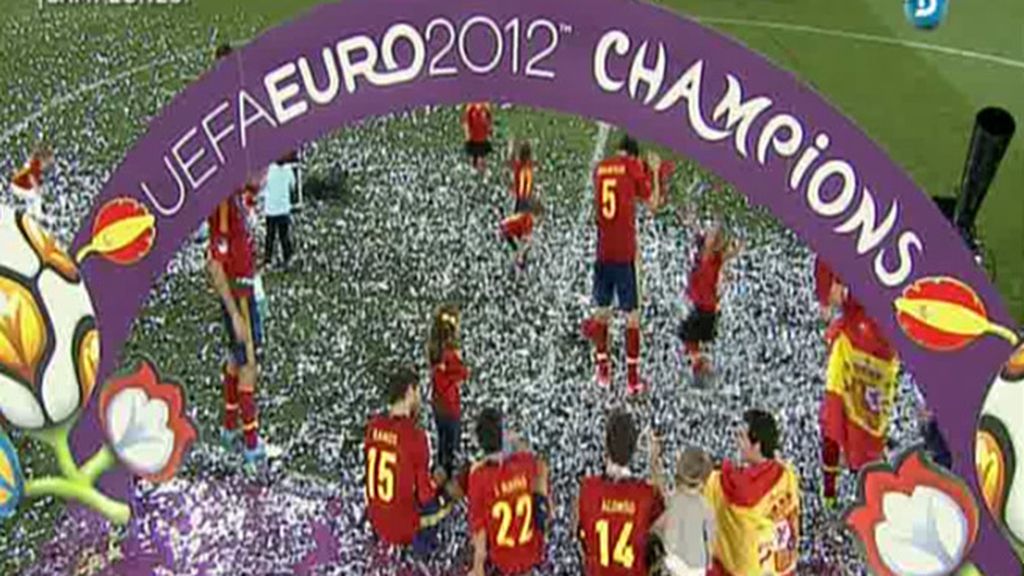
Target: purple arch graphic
694, 91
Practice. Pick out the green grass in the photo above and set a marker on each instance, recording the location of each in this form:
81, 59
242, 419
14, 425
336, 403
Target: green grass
919, 106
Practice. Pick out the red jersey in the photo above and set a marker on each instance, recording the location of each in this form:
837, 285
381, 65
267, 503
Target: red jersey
522, 184
231, 243
30, 176
615, 518
448, 376
824, 279
705, 274
618, 182
501, 502
398, 483
478, 118
518, 225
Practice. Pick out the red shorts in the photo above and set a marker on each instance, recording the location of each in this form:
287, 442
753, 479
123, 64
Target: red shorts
517, 226
858, 445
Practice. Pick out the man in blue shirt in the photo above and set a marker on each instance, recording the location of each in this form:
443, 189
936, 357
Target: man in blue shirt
277, 207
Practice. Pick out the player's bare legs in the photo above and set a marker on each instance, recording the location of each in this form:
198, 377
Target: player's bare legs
634, 384
595, 329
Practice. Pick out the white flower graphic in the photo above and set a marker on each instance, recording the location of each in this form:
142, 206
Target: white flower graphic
138, 430
924, 534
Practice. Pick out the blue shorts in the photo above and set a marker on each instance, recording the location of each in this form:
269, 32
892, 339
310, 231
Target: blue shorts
618, 281
241, 354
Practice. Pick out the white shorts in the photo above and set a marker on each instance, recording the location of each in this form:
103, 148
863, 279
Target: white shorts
677, 567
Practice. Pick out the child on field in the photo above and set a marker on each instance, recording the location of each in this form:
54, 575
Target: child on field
447, 376
687, 527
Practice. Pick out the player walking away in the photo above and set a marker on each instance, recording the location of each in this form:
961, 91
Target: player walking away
860, 391
615, 511
701, 326
517, 229
404, 502
477, 123
448, 373
277, 210
619, 182
508, 502
756, 505
27, 183
232, 272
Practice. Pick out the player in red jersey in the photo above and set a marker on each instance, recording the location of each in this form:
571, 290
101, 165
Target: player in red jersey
231, 269
615, 511
619, 182
701, 326
27, 183
509, 499
477, 122
404, 502
517, 229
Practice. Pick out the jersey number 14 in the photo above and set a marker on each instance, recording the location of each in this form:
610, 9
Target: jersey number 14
623, 553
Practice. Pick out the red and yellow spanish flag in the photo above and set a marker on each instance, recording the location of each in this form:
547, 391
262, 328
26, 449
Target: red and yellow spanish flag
860, 390
758, 520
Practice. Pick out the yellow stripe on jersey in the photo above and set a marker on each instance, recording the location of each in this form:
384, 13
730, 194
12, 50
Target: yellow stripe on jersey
223, 214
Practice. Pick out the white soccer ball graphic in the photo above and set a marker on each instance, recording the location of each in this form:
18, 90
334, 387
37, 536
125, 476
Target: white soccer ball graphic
49, 345
999, 454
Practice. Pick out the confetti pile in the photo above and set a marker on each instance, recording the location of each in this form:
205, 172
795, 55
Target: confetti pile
411, 226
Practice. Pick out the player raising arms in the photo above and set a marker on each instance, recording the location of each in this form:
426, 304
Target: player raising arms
619, 182
403, 500
756, 505
27, 183
714, 251
477, 123
508, 502
615, 511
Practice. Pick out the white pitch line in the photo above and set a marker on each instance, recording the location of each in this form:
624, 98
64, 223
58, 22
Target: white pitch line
87, 88
968, 54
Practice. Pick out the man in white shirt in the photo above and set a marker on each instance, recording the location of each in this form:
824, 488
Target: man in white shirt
277, 208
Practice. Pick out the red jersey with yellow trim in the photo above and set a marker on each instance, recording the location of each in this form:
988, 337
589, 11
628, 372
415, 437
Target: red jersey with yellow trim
517, 226
30, 176
616, 516
398, 483
448, 376
522, 182
501, 503
478, 117
231, 243
705, 275
619, 182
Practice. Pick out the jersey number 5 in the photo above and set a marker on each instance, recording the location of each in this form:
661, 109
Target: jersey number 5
380, 474
623, 554
502, 511
608, 198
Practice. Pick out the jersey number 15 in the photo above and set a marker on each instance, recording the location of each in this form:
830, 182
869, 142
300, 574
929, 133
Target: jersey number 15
380, 474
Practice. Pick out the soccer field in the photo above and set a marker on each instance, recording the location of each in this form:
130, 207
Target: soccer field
418, 227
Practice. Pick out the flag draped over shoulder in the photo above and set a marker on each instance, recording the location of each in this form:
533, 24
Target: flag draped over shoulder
758, 522
862, 373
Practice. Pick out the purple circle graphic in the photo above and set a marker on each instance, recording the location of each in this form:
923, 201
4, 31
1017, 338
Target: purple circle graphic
661, 76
